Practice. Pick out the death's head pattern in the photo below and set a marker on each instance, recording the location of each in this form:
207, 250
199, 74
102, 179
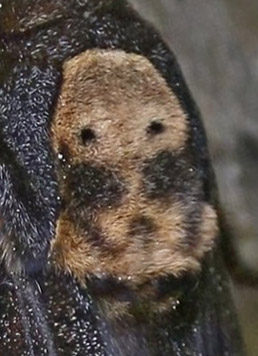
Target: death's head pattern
133, 206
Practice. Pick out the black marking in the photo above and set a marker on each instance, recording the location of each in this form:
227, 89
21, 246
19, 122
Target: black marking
108, 286
92, 187
96, 238
142, 226
174, 286
169, 173
87, 135
155, 128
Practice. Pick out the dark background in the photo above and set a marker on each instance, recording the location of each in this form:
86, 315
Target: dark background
216, 44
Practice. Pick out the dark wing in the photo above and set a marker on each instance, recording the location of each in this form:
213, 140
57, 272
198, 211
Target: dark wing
28, 207
56, 316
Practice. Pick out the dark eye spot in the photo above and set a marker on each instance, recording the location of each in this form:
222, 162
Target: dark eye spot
87, 135
155, 128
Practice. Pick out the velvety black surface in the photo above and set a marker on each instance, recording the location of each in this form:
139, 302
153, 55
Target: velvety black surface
56, 316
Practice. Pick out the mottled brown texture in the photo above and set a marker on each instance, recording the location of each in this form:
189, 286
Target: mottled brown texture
117, 95
116, 113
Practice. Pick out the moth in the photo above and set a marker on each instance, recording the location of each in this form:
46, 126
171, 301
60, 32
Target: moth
110, 228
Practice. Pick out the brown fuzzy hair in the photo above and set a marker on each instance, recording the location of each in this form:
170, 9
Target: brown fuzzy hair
133, 205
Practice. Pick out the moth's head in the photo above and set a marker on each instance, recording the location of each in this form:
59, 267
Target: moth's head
133, 202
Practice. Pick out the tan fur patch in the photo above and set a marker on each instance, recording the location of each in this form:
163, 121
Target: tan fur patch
117, 97
134, 259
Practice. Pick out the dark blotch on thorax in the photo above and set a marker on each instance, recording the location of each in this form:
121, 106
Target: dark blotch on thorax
169, 174
158, 289
97, 238
142, 226
89, 186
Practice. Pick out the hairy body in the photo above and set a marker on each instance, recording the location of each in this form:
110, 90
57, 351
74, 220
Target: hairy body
103, 255
133, 205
